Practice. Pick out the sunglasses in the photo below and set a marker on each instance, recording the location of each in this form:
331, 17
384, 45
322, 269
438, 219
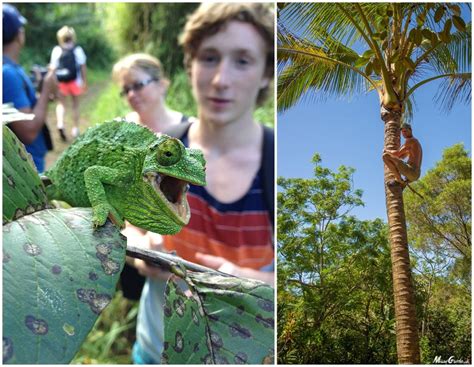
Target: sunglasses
137, 86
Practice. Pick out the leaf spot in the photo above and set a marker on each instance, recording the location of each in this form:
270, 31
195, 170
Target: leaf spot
216, 340
179, 306
96, 302
266, 322
37, 326
178, 342
6, 257
69, 329
56, 269
195, 317
265, 304
11, 181
240, 358
238, 330
32, 249
110, 267
104, 248
7, 349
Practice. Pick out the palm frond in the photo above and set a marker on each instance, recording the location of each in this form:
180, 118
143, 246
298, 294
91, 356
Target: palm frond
409, 106
454, 56
305, 67
452, 90
318, 57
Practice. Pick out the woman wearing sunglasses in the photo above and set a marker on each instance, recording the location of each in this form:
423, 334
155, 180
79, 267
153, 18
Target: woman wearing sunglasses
142, 83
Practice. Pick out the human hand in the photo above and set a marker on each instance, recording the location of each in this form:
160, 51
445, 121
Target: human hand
228, 267
50, 83
148, 270
218, 263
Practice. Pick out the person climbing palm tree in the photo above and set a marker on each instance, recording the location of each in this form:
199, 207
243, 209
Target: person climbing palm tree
394, 159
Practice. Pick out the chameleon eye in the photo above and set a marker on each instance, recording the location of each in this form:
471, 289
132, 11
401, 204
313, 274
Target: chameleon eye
169, 152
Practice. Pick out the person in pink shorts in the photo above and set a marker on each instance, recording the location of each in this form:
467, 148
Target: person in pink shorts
69, 61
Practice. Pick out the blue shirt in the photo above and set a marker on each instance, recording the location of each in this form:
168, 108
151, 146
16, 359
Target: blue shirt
18, 89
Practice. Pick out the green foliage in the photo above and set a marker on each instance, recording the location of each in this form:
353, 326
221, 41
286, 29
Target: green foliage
335, 303
45, 19
52, 297
111, 339
149, 27
441, 221
227, 320
447, 323
52, 294
23, 192
108, 105
440, 228
180, 96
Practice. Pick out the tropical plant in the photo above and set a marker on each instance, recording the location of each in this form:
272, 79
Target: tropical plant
52, 293
339, 49
334, 287
441, 222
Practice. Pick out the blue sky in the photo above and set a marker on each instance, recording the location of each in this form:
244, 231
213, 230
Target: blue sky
350, 133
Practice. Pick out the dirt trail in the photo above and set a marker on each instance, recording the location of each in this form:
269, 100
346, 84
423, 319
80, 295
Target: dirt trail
87, 99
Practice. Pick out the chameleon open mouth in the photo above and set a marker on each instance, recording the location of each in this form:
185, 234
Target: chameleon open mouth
173, 192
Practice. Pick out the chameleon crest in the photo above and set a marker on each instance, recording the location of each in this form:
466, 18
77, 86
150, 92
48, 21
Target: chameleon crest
125, 171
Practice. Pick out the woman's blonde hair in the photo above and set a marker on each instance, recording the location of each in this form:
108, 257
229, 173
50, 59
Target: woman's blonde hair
139, 61
209, 18
66, 34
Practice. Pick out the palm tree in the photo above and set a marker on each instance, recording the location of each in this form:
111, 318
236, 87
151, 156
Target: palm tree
401, 47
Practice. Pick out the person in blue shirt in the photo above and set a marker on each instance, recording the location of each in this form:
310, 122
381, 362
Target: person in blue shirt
18, 88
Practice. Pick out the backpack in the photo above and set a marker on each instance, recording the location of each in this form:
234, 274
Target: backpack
67, 68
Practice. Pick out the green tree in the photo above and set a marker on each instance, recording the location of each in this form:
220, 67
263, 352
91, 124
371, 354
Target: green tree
439, 225
149, 27
45, 19
441, 221
403, 46
334, 286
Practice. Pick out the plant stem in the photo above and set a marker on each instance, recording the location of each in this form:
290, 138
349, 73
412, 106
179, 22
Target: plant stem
167, 261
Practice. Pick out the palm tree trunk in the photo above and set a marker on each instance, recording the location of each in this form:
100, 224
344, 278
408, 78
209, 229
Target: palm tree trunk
408, 350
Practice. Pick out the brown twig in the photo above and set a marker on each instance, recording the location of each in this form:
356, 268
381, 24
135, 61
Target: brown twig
413, 190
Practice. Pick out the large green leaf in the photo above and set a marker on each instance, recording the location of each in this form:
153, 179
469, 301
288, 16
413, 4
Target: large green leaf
58, 275
226, 321
23, 192
58, 272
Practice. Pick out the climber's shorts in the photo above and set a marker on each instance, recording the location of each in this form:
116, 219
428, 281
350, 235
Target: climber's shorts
410, 173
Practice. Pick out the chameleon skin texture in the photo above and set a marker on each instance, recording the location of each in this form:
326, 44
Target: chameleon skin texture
118, 168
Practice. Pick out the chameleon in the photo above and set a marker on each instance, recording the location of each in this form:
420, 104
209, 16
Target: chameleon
124, 171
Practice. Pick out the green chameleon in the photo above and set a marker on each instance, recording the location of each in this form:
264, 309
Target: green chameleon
124, 171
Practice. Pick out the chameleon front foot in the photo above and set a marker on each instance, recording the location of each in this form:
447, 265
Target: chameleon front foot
102, 211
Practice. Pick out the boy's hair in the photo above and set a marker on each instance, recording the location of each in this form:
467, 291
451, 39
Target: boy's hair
139, 61
66, 34
406, 126
209, 18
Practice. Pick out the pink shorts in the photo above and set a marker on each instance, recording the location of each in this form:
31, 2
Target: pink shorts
70, 88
